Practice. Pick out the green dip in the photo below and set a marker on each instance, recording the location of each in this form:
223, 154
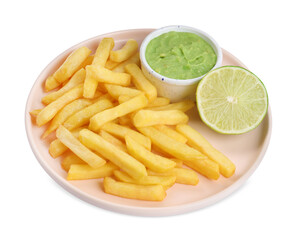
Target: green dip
180, 55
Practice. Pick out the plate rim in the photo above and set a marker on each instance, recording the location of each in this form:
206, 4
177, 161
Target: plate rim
137, 210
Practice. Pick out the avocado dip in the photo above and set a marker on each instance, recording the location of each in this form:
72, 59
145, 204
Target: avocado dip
180, 55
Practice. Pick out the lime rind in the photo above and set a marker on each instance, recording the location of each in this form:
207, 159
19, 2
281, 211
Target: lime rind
224, 91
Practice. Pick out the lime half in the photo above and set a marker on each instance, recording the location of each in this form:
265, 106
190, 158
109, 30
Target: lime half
231, 100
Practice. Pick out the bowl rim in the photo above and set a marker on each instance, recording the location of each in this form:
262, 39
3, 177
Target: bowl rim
211, 41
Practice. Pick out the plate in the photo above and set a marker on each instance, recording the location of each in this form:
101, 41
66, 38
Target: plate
246, 151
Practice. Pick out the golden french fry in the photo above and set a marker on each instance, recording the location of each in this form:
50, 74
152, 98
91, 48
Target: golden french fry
196, 140
57, 148
77, 79
121, 132
141, 82
206, 167
190, 156
111, 64
171, 133
35, 112
81, 172
50, 110
107, 115
51, 83
66, 112
100, 58
144, 118
178, 162
116, 91
171, 146
83, 116
87, 61
90, 84
125, 121
183, 175
67, 138
103, 51
71, 159
123, 98
165, 181
102, 89
71, 64
104, 75
159, 102
150, 160
95, 142
125, 52
133, 59
181, 106
113, 140
134, 191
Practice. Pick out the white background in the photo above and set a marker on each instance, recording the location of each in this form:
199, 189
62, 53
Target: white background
262, 34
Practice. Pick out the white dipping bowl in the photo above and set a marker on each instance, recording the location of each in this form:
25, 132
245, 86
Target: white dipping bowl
176, 89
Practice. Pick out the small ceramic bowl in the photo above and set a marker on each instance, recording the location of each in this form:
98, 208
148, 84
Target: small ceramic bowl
176, 89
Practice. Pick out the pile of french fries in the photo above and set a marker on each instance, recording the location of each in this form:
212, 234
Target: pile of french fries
109, 123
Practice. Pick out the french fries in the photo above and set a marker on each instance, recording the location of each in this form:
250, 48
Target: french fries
102, 52
182, 175
133, 59
81, 172
83, 116
122, 131
141, 82
68, 68
111, 124
50, 110
35, 112
77, 79
171, 146
105, 116
206, 167
171, 133
67, 138
111, 64
87, 61
113, 140
145, 118
159, 102
190, 156
123, 98
66, 112
100, 58
51, 84
196, 140
150, 160
126, 162
116, 91
125, 121
71, 159
181, 106
165, 181
125, 52
104, 75
134, 191
71, 64
178, 162
57, 148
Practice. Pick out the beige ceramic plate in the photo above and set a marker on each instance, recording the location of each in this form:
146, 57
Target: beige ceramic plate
246, 151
